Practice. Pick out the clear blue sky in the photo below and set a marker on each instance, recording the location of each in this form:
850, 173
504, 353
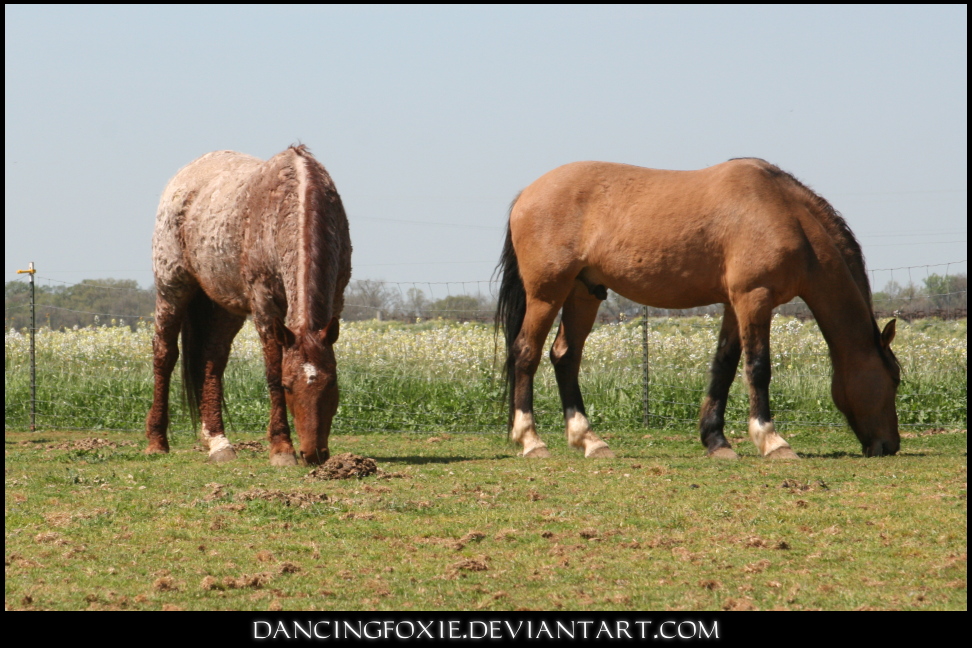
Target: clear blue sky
431, 119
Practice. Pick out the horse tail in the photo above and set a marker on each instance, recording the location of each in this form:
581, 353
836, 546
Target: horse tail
193, 369
510, 310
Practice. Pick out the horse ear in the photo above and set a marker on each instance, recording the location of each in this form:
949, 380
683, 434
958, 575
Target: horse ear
888, 334
330, 332
283, 335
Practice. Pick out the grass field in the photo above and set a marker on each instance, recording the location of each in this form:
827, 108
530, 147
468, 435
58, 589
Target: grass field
457, 521
460, 522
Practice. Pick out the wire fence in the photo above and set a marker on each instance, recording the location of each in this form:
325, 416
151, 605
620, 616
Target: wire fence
424, 359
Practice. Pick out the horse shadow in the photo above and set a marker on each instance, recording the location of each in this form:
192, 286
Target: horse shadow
439, 459
841, 454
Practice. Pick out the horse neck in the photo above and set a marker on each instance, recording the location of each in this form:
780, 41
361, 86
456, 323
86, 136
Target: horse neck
316, 259
844, 316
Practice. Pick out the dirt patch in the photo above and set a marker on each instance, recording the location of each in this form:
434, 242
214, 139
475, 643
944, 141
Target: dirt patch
217, 492
757, 567
288, 568
165, 584
472, 536
931, 432
345, 466
251, 446
251, 581
90, 443
64, 518
299, 499
50, 537
471, 564
743, 604
794, 485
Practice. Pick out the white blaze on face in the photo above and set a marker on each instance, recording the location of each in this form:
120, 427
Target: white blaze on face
310, 371
765, 437
215, 442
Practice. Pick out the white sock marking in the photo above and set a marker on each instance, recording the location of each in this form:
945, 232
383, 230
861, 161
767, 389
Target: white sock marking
215, 442
525, 432
578, 428
765, 437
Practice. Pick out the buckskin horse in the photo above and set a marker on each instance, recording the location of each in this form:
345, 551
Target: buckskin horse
236, 236
742, 233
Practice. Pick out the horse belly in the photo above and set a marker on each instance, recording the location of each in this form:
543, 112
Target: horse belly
663, 285
216, 264
659, 271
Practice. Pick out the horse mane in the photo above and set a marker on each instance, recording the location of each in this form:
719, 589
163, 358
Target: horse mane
848, 246
834, 224
325, 218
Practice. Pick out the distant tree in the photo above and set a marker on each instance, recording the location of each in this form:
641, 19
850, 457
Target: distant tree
415, 305
897, 298
947, 292
370, 299
93, 302
458, 307
617, 308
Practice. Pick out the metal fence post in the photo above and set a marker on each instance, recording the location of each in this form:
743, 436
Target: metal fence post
644, 366
33, 364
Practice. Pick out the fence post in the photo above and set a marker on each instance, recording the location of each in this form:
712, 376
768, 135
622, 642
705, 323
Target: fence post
644, 365
33, 365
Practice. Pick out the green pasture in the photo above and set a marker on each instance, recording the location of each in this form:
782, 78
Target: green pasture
457, 521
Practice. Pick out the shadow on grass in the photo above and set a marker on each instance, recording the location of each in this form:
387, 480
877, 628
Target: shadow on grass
439, 460
842, 454
39, 440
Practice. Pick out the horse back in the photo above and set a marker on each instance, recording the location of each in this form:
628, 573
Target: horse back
199, 237
672, 239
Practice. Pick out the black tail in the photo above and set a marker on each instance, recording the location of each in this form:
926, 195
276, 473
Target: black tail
193, 370
510, 310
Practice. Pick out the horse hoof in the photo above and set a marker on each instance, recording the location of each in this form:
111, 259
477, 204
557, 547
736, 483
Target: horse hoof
539, 452
283, 459
152, 449
783, 453
724, 453
226, 454
600, 452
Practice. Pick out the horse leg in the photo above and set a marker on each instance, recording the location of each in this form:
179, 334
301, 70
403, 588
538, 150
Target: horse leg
580, 311
712, 418
278, 433
527, 349
755, 311
222, 328
165, 353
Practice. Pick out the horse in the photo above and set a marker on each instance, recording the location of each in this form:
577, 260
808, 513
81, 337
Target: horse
237, 236
742, 233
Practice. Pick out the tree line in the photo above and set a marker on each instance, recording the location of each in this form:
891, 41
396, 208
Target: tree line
121, 302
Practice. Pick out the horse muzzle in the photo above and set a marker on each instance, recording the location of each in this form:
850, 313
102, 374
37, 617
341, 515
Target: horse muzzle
880, 448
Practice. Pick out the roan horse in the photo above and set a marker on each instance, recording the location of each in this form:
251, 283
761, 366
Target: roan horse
237, 236
742, 233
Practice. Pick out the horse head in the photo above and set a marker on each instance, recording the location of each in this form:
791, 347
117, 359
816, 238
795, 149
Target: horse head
309, 380
866, 396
